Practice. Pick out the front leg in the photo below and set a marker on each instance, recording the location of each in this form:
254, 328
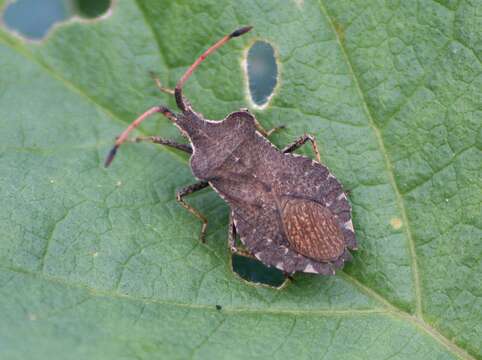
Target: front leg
265, 132
161, 88
187, 191
260, 127
164, 89
300, 142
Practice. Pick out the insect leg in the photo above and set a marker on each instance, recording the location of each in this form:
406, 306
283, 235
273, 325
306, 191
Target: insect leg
158, 140
260, 127
265, 132
276, 128
180, 194
125, 134
166, 90
288, 279
231, 234
235, 250
232, 240
161, 88
300, 142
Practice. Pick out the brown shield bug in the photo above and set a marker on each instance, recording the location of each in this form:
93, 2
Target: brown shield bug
289, 210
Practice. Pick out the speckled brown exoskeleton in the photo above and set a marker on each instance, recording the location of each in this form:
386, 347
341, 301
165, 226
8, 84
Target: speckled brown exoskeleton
289, 211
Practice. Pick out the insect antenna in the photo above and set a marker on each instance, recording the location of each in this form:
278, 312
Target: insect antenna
178, 90
125, 134
177, 93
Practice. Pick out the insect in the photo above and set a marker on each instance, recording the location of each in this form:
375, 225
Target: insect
290, 212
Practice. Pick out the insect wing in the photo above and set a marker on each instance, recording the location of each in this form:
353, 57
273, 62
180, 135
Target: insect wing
312, 230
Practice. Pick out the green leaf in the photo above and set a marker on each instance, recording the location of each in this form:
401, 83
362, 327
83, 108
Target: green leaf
98, 263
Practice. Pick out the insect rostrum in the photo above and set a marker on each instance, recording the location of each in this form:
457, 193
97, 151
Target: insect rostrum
289, 210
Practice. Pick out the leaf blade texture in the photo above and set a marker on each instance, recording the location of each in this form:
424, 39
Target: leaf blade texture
97, 263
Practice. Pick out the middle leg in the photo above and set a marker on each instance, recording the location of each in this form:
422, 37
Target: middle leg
300, 142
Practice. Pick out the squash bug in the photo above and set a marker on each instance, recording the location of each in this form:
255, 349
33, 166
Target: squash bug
289, 211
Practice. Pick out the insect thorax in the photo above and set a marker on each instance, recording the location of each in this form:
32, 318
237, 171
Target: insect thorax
215, 142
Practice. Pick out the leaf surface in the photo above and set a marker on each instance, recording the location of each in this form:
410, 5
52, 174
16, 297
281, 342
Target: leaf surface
98, 263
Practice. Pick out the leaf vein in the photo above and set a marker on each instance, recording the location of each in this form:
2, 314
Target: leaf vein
418, 318
388, 166
94, 292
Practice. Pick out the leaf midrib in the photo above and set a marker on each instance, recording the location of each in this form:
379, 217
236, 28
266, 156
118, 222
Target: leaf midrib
389, 307
418, 319
388, 166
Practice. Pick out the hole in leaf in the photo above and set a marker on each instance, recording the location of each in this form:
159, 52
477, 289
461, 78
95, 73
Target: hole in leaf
254, 271
262, 72
34, 18
91, 8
